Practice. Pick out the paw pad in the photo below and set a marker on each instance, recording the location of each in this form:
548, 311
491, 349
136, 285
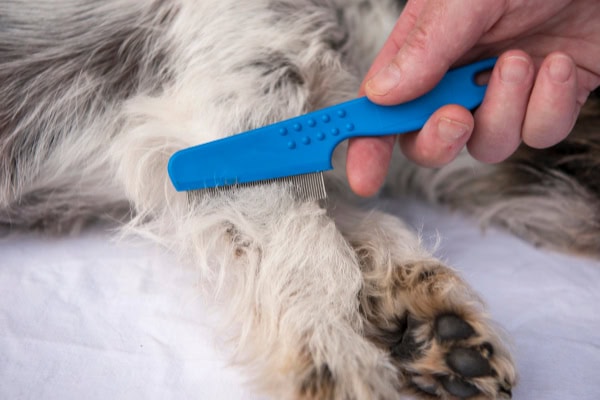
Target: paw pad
458, 387
451, 327
462, 356
468, 362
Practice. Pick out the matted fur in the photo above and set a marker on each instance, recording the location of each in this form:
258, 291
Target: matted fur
323, 300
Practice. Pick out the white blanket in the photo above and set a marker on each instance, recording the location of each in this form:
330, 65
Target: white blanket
88, 318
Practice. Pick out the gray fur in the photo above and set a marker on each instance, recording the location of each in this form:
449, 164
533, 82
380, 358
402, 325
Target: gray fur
63, 69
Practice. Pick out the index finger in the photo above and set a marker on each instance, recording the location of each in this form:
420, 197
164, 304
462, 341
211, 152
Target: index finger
416, 57
394, 42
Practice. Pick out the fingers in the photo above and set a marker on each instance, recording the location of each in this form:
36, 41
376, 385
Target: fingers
404, 25
438, 143
552, 108
430, 36
499, 119
539, 110
514, 109
441, 138
367, 163
424, 44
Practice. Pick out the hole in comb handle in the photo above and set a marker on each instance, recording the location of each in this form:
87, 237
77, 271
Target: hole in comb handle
483, 77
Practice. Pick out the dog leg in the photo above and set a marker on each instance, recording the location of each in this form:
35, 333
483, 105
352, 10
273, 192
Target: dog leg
287, 279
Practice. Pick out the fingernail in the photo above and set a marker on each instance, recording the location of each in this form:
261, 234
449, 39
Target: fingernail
384, 81
514, 69
451, 130
560, 69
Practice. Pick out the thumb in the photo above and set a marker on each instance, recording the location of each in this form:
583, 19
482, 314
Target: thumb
440, 34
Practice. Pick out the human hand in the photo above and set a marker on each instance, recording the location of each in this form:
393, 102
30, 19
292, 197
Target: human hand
534, 93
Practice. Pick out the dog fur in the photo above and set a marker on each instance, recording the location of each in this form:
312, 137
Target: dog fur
323, 300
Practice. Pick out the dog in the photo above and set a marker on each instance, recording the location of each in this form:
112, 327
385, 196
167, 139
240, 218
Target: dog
327, 300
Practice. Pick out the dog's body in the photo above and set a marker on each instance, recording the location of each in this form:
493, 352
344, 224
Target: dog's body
327, 302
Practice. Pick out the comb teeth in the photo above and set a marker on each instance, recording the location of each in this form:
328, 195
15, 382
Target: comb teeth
305, 187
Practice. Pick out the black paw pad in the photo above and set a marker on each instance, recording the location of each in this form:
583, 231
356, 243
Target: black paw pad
458, 387
468, 363
452, 327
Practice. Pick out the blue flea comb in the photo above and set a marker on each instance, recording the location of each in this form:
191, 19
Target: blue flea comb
298, 150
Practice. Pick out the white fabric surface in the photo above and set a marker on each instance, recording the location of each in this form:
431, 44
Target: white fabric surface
88, 318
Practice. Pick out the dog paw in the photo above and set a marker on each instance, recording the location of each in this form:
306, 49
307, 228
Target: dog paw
447, 357
431, 324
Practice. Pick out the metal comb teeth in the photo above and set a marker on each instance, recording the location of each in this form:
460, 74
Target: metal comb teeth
304, 187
